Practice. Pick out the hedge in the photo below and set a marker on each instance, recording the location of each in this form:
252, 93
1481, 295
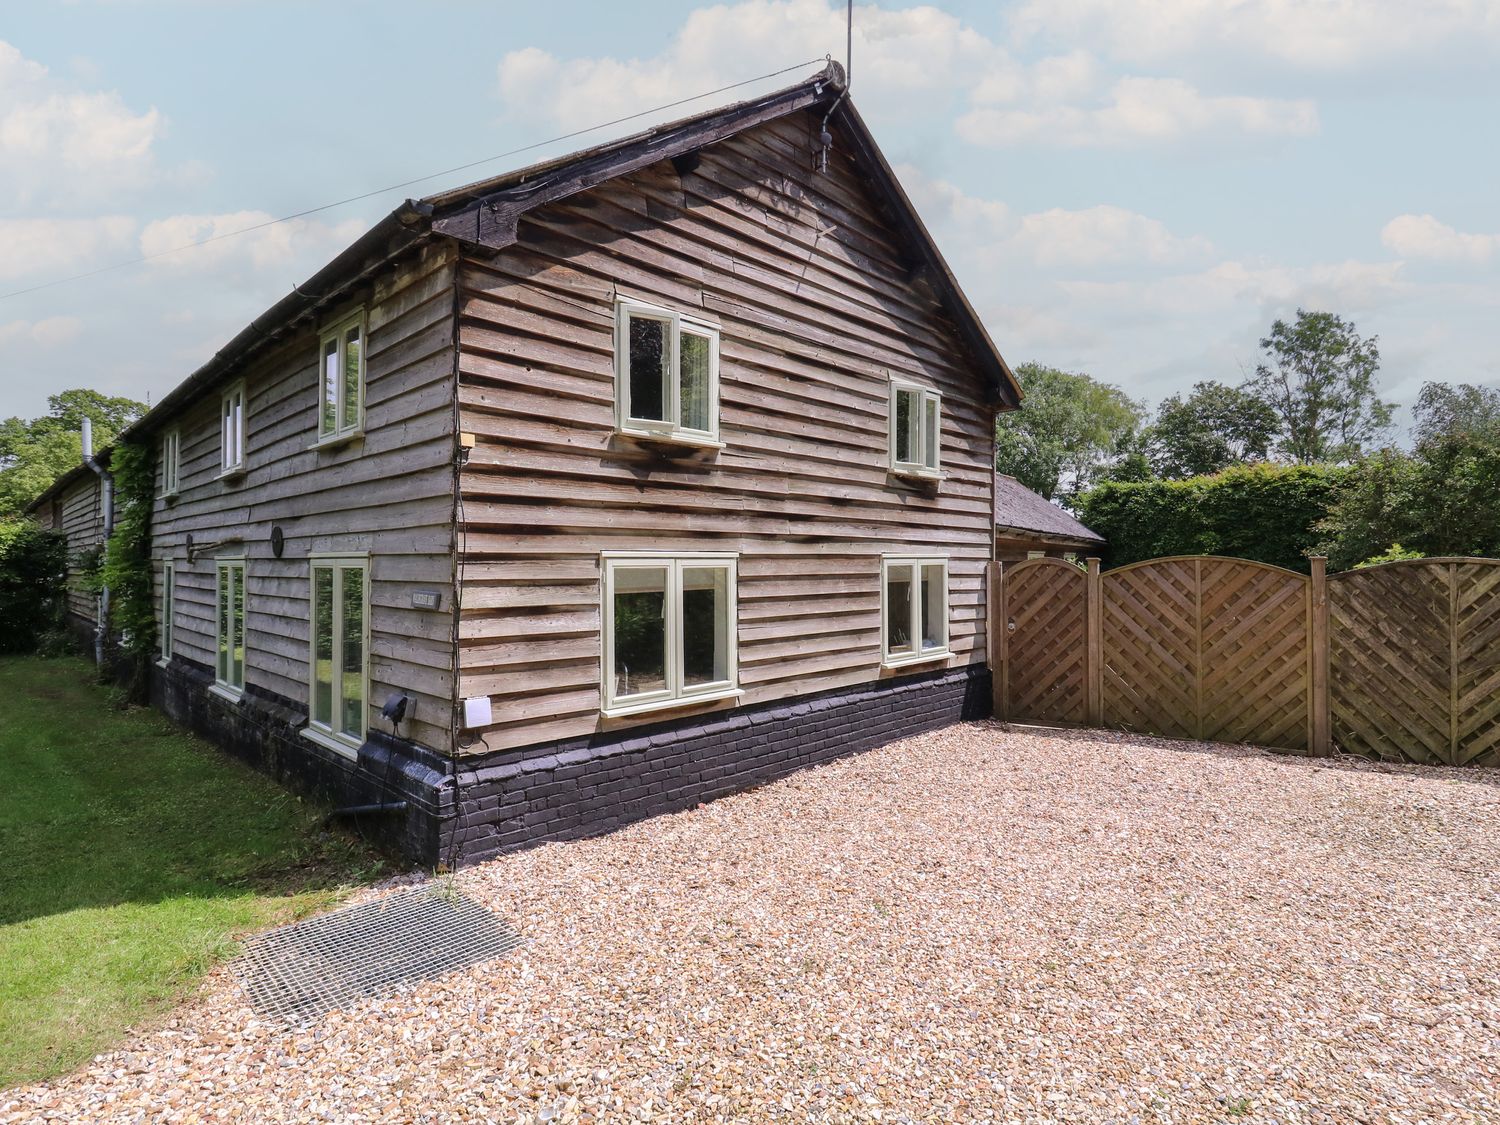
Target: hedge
33, 577
1268, 513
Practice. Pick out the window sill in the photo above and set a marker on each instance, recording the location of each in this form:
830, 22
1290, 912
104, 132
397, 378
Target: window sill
169, 497
917, 473
917, 658
670, 437
626, 710
227, 693
235, 474
345, 746
163, 661
338, 441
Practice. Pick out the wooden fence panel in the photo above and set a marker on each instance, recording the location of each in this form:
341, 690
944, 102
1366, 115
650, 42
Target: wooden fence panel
1151, 648
1045, 642
1390, 684
1478, 642
1257, 665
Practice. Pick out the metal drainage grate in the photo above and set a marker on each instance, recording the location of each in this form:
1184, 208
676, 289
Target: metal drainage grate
301, 971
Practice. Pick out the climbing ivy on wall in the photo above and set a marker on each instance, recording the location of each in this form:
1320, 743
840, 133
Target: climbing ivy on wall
127, 559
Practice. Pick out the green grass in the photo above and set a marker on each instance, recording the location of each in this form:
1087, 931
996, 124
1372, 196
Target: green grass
132, 856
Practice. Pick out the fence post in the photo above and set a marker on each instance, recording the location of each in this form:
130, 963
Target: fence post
1321, 744
999, 645
1094, 639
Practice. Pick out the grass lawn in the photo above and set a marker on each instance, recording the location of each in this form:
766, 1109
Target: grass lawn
131, 857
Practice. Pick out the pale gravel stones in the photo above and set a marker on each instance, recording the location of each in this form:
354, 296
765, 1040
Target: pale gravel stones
980, 924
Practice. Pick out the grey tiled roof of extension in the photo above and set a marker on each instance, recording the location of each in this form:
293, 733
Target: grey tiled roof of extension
1017, 508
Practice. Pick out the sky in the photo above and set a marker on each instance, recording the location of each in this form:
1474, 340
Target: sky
1135, 189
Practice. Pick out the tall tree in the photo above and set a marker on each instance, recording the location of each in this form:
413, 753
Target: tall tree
1069, 428
1444, 410
1214, 427
34, 453
1320, 379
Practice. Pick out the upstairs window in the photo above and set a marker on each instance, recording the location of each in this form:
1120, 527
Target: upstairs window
916, 430
171, 462
232, 431
229, 673
669, 631
914, 609
340, 663
341, 410
667, 375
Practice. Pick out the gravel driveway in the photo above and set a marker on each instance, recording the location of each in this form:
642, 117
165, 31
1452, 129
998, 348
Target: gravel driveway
978, 924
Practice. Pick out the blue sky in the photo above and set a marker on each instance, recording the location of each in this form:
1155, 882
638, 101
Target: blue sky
1133, 188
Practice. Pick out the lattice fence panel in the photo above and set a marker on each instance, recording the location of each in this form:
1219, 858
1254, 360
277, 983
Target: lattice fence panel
1477, 612
1257, 659
1390, 657
1047, 648
1149, 680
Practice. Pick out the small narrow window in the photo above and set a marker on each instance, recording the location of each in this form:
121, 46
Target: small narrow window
230, 671
669, 631
232, 430
667, 368
168, 606
916, 424
171, 462
342, 380
339, 660
914, 605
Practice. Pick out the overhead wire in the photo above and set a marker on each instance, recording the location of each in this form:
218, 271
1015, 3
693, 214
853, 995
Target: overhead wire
397, 187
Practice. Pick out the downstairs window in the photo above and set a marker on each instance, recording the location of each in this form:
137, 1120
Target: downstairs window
914, 609
339, 657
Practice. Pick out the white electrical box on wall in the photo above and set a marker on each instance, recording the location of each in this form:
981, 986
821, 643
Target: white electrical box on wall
477, 712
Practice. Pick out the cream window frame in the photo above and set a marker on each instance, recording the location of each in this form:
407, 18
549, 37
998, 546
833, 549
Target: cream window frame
164, 636
928, 440
344, 428
329, 734
234, 566
171, 463
675, 694
232, 430
918, 654
668, 429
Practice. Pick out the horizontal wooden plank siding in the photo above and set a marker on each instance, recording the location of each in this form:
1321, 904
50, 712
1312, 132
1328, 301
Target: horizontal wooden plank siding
818, 309
389, 495
82, 523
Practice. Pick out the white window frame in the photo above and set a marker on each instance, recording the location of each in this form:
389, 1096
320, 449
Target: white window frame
323, 733
344, 428
670, 428
675, 694
918, 655
929, 461
227, 688
171, 462
232, 431
169, 610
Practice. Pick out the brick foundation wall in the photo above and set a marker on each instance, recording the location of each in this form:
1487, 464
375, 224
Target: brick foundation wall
582, 787
513, 799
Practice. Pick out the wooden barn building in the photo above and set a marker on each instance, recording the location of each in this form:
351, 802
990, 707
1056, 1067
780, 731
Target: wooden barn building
1029, 526
594, 490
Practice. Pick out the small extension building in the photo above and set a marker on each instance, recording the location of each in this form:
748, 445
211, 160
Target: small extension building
621, 482
1029, 526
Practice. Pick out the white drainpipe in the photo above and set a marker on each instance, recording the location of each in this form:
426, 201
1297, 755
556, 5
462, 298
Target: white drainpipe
107, 506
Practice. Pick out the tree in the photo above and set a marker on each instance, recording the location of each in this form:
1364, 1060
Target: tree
1214, 427
1070, 428
1444, 410
1320, 381
35, 453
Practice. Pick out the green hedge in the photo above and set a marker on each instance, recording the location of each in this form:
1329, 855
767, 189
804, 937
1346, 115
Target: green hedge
33, 577
1269, 513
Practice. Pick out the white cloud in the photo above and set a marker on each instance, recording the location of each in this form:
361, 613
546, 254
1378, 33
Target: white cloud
50, 332
1134, 110
1425, 237
52, 246
1053, 240
300, 241
1312, 34
61, 144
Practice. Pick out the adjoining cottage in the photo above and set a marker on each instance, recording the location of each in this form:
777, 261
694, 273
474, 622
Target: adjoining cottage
597, 489
1029, 526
